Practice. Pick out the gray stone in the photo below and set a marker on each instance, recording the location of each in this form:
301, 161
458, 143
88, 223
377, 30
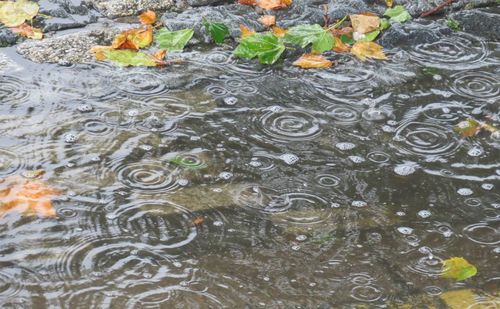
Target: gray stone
480, 23
412, 33
7, 37
65, 15
117, 8
69, 48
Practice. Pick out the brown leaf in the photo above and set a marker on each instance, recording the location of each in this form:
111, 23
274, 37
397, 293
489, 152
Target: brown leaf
248, 2
99, 51
363, 23
279, 32
246, 32
339, 32
268, 20
28, 31
339, 46
159, 57
273, 4
364, 50
27, 197
312, 61
134, 38
148, 17
198, 220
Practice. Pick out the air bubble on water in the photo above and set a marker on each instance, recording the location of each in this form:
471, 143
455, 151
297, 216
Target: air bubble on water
388, 129
357, 159
146, 147
495, 205
217, 190
230, 100
437, 77
465, 191
335, 205
111, 216
424, 214
392, 122
85, 108
95, 158
70, 164
289, 158
405, 230
218, 223
296, 248
266, 278
255, 163
487, 186
301, 237
182, 182
225, 175
177, 264
475, 151
312, 284
400, 213
359, 204
345, 146
405, 169
496, 249
70, 137
133, 113
495, 135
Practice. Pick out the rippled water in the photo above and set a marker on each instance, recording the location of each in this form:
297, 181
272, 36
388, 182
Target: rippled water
220, 183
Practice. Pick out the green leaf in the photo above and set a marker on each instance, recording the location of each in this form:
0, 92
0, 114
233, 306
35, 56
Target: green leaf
384, 24
398, 14
127, 57
173, 40
265, 46
468, 127
453, 24
347, 39
370, 36
458, 268
218, 31
303, 35
14, 13
187, 162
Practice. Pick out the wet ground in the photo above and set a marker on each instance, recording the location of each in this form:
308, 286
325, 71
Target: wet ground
337, 188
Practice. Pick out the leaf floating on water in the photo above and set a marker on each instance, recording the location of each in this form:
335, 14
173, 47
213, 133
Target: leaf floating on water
218, 31
312, 61
398, 14
188, 162
265, 46
363, 23
453, 24
28, 31
99, 51
134, 39
268, 20
246, 32
303, 35
159, 56
15, 13
468, 128
126, 57
173, 40
148, 17
364, 50
27, 197
458, 268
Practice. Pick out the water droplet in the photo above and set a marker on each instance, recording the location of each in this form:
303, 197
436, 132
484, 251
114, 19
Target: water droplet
230, 100
85, 108
70, 137
404, 169
400, 214
465, 191
424, 214
182, 182
405, 230
357, 159
296, 248
225, 175
289, 158
359, 204
218, 223
487, 186
345, 146
475, 151
301, 237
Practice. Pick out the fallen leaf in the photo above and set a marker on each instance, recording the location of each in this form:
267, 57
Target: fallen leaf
159, 57
364, 23
389, 3
273, 4
458, 268
345, 30
312, 61
173, 40
398, 14
265, 46
247, 2
28, 31
27, 197
268, 20
127, 57
339, 46
468, 127
278, 32
14, 13
148, 17
303, 35
134, 38
198, 220
364, 50
369, 36
246, 32
99, 51
218, 31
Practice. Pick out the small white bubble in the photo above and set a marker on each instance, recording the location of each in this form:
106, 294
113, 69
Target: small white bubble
405, 230
230, 100
177, 264
437, 77
487, 186
345, 146
255, 163
296, 248
301, 237
266, 278
357, 159
85, 108
359, 204
218, 223
424, 214
289, 158
404, 169
226, 175
465, 191
400, 214
183, 182
475, 151
70, 137
133, 112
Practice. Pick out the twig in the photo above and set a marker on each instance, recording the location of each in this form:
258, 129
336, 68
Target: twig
326, 17
437, 8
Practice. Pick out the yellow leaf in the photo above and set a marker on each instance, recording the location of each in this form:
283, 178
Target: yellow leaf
246, 32
134, 38
14, 13
99, 51
268, 20
27, 197
148, 17
312, 61
389, 3
458, 268
339, 46
28, 31
364, 50
364, 23
279, 32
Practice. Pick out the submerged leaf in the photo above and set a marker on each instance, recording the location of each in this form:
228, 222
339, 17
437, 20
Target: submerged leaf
468, 128
303, 35
27, 197
173, 40
246, 32
268, 20
126, 57
133, 39
28, 31
398, 14
458, 268
148, 17
364, 50
14, 13
364, 23
310, 61
265, 46
453, 24
339, 46
187, 162
218, 31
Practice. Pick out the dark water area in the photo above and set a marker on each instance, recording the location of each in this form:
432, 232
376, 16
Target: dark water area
330, 188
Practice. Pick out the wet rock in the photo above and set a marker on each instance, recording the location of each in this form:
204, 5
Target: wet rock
65, 15
69, 48
413, 33
7, 37
117, 8
480, 23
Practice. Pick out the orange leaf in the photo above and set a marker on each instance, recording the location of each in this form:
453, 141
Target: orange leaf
28, 31
339, 46
268, 20
99, 51
363, 23
148, 17
364, 50
345, 30
198, 220
310, 61
273, 4
279, 32
159, 57
246, 32
27, 197
248, 2
134, 38
368, 14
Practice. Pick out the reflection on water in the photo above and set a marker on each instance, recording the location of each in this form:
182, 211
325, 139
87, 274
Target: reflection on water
334, 187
